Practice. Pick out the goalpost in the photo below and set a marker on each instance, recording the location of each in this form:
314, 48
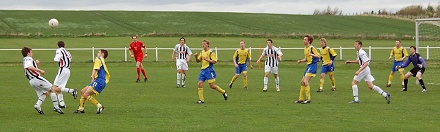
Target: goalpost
428, 46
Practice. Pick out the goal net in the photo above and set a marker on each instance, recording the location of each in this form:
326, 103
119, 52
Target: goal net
428, 46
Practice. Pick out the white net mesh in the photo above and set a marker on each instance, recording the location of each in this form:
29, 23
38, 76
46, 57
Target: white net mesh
428, 46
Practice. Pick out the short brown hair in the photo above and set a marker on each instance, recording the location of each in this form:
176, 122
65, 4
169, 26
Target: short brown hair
399, 40
25, 51
309, 37
206, 41
183, 39
323, 40
270, 40
60, 44
105, 53
134, 37
414, 47
359, 42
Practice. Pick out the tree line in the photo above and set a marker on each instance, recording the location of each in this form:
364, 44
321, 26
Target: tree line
413, 10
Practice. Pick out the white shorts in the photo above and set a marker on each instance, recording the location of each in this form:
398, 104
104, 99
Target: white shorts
270, 69
364, 75
181, 64
62, 77
40, 85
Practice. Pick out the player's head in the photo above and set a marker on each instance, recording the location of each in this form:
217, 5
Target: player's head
413, 49
308, 39
205, 43
60, 44
398, 42
182, 40
357, 44
242, 43
269, 43
26, 51
103, 53
134, 38
323, 42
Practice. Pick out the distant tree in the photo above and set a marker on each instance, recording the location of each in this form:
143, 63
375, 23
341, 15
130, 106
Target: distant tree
413, 10
429, 11
328, 11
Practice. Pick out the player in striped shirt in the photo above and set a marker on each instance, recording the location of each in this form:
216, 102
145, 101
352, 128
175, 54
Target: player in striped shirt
328, 56
271, 65
241, 57
39, 83
63, 57
399, 54
311, 56
181, 54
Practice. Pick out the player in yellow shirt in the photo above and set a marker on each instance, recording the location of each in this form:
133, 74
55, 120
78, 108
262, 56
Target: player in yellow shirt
399, 54
328, 56
240, 58
311, 56
208, 59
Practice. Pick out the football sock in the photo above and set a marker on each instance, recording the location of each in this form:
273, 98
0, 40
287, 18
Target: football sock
405, 83
277, 81
66, 90
82, 100
93, 100
233, 79
355, 92
422, 83
138, 72
333, 82
301, 93
61, 99
200, 91
307, 89
40, 100
379, 90
54, 98
265, 81
183, 79
220, 89
245, 81
402, 77
143, 73
390, 78
321, 83
178, 78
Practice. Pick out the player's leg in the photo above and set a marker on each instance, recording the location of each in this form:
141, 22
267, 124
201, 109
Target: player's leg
301, 92
82, 100
238, 71
391, 76
60, 86
41, 94
332, 79
179, 76
201, 80
419, 77
46, 85
217, 88
274, 70
355, 89
143, 72
245, 80
266, 77
321, 80
305, 84
369, 80
402, 75
184, 70
410, 73
88, 95
138, 70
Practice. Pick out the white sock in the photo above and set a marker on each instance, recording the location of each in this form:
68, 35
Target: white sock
99, 105
265, 82
277, 81
61, 99
355, 92
40, 100
54, 98
178, 78
183, 79
379, 90
66, 90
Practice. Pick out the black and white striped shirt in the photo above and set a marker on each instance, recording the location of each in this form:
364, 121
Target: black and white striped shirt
272, 56
63, 57
182, 51
28, 62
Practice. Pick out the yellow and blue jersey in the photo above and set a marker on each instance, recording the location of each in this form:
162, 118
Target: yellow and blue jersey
311, 59
327, 55
241, 56
398, 53
103, 72
208, 54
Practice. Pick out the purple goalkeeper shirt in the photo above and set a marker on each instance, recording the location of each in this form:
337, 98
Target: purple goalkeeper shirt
415, 59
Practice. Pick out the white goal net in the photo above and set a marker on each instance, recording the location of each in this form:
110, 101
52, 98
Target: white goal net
428, 46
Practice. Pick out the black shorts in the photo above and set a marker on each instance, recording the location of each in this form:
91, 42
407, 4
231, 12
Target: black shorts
416, 69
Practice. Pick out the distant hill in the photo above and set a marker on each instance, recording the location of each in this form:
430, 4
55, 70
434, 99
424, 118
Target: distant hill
124, 23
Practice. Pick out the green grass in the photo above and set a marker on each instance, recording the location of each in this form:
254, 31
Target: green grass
158, 106
125, 23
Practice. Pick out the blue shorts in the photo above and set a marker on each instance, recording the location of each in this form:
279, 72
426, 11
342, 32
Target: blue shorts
311, 69
327, 68
98, 85
207, 74
396, 63
241, 68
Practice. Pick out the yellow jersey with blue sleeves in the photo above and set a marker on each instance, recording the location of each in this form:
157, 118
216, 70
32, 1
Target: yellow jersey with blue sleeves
103, 72
241, 56
208, 54
311, 59
327, 55
399, 53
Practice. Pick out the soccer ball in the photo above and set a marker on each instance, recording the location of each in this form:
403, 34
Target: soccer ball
53, 23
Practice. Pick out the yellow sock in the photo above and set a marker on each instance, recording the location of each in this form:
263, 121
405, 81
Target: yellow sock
321, 83
200, 91
307, 89
220, 90
402, 78
390, 78
233, 79
333, 82
245, 81
301, 93
93, 101
82, 100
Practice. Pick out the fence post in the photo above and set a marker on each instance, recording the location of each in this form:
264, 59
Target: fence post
216, 53
93, 54
125, 54
250, 52
427, 52
369, 52
340, 52
157, 55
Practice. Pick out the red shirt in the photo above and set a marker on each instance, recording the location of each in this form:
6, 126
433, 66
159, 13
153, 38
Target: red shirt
136, 47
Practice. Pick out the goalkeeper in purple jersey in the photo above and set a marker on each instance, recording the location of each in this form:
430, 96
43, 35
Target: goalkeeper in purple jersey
418, 70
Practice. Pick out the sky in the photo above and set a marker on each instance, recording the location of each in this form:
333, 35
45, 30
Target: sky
247, 6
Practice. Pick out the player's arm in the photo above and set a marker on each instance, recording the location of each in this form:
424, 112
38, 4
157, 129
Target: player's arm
32, 68
405, 54
421, 60
97, 64
198, 58
301, 61
145, 48
404, 64
391, 54
212, 59
262, 55
249, 60
315, 53
364, 65
131, 52
172, 56
351, 61
234, 58
188, 57
279, 53
332, 56
58, 56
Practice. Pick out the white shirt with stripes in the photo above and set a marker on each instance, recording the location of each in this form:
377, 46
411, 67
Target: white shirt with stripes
63, 57
272, 56
28, 62
182, 51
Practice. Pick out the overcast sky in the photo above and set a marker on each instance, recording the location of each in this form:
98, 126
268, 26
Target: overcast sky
251, 6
